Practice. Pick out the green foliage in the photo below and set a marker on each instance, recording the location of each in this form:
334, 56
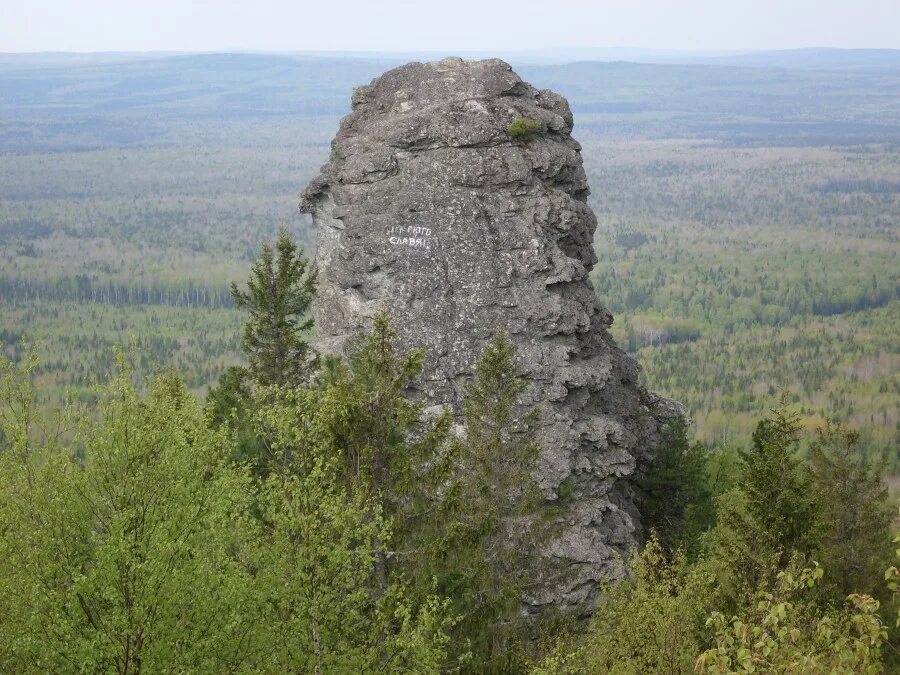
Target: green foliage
19, 413
481, 540
853, 512
786, 613
776, 491
462, 509
353, 444
892, 577
152, 550
768, 516
233, 404
378, 541
653, 622
379, 438
229, 397
132, 559
781, 632
325, 606
278, 296
676, 500
740, 549
524, 129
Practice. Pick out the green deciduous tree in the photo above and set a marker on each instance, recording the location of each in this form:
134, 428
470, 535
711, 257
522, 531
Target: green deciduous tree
131, 559
327, 606
152, 551
652, 622
782, 631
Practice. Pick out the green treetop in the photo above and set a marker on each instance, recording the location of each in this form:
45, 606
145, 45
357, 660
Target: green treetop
278, 296
853, 510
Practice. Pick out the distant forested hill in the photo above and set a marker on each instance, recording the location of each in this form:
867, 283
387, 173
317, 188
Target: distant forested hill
54, 102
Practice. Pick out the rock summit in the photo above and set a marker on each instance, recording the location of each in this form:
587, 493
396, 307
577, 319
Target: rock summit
433, 209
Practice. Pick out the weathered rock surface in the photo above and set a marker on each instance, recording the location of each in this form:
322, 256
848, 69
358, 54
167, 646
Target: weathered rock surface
429, 210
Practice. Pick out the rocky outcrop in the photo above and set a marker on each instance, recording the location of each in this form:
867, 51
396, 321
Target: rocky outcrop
430, 210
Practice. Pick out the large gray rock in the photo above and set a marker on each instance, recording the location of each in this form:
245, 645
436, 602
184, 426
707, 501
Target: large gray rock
429, 210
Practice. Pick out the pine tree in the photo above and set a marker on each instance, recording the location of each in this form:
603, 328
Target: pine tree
278, 297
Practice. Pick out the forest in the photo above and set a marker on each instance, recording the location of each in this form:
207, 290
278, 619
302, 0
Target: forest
747, 245
309, 517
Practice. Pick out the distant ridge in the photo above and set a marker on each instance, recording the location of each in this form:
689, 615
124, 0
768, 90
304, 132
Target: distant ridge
811, 96
824, 58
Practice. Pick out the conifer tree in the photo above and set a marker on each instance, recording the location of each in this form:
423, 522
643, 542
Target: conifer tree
767, 517
378, 442
852, 510
776, 491
481, 540
380, 436
328, 602
676, 500
233, 402
278, 297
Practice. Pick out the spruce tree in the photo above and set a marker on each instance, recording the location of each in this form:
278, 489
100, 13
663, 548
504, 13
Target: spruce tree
852, 510
481, 540
278, 297
676, 499
767, 518
380, 436
380, 444
776, 491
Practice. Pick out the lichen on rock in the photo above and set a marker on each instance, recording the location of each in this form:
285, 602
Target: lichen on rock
430, 210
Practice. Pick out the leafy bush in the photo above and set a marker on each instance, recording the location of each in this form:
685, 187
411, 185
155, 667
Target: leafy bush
652, 623
782, 632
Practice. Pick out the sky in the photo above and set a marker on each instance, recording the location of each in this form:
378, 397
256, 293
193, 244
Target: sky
453, 26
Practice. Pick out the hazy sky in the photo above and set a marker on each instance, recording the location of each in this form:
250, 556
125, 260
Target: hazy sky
448, 25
